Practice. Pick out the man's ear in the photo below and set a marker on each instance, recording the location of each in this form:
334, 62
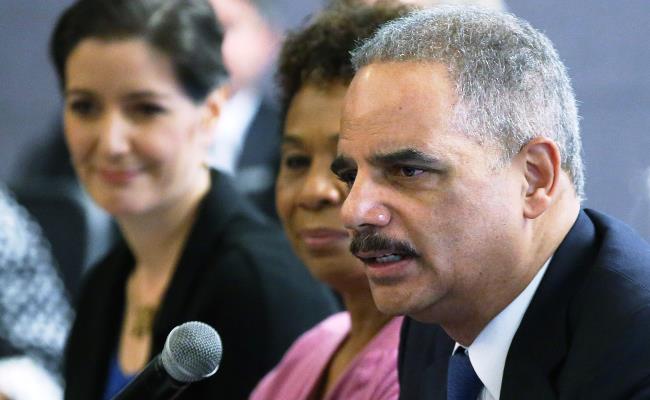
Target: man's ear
211, 112
214, 104
542, 173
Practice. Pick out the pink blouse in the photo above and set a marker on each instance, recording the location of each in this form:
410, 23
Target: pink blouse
372, 374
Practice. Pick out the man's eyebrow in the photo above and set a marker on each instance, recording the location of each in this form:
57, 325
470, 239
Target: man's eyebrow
406, 156
341, 163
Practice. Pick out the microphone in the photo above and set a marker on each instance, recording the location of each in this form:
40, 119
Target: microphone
192, 352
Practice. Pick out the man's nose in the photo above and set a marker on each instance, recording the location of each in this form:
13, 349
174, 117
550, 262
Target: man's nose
363, 207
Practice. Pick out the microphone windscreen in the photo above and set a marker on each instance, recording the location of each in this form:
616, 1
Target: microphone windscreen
192, 352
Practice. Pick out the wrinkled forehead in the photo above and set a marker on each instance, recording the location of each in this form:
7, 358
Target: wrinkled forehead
398, 107
397, 101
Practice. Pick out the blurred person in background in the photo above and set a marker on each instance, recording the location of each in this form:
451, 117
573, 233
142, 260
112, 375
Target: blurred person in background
352, 354
35, 314
142, 81
246, 144
79, 232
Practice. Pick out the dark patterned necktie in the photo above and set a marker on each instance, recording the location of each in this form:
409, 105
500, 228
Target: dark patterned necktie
462, 381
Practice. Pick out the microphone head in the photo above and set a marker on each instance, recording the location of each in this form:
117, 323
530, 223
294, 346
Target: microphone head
192, 352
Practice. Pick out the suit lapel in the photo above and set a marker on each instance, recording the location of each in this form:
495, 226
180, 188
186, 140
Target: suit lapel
262, 140
541, 342
436, 387
424, 354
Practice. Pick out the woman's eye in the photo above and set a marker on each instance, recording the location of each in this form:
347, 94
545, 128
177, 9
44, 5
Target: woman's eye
83, 107
148, 109
297, 162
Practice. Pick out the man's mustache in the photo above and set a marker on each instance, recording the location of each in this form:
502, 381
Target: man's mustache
370, 241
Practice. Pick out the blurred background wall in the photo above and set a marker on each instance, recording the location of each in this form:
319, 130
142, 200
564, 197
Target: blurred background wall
605, 47
29, 100
603, 43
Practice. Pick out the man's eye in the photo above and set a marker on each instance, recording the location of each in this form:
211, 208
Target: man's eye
296, 162
348, 177
410, 171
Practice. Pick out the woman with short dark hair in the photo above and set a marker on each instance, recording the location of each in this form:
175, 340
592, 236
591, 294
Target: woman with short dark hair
142, 85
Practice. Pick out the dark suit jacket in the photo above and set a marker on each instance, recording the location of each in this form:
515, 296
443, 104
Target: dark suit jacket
236, 273
259, 161
585, 334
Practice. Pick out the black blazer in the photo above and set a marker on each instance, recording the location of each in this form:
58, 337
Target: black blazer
236, 273
585, 334
258, 164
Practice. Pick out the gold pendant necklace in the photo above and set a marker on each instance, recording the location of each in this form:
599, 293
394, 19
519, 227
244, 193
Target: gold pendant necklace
143, 321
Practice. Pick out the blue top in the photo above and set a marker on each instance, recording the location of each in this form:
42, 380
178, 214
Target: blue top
116, 379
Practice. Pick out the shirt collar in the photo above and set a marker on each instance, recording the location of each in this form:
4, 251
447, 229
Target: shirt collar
489, 350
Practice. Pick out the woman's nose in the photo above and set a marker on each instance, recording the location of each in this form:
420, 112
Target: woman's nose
321, 188
114, 139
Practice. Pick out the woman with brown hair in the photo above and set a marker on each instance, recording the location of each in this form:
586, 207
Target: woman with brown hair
143, 86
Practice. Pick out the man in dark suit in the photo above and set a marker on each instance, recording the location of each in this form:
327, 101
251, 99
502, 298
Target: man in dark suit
247, 142
461, 147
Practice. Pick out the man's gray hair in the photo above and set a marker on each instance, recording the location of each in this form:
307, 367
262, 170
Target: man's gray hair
491, 4
510, 82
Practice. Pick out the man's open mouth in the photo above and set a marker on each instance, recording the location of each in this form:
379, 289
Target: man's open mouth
382, 257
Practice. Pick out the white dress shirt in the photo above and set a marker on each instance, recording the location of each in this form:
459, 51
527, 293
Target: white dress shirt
489, 350
234, 120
